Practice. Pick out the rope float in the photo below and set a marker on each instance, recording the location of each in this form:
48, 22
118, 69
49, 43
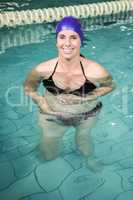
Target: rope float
38, 16
99, 15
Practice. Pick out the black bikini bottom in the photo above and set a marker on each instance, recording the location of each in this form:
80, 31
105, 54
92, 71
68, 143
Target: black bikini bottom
73, 121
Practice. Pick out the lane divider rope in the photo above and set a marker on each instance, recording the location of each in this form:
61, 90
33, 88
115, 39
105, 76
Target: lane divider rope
25, 17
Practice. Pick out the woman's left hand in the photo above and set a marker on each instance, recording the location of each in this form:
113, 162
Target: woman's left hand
68, 99
73, 99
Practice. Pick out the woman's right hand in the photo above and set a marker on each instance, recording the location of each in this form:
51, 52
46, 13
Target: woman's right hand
45, 108
43, 105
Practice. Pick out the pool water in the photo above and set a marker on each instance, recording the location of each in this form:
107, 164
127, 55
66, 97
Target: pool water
24, 175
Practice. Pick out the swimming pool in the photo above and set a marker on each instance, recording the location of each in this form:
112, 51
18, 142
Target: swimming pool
24, 175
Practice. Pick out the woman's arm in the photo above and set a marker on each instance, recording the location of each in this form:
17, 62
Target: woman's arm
98, 75
105, 85
31, 85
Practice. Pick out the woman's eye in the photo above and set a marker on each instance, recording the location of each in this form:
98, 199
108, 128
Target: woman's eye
62, 37
74, 37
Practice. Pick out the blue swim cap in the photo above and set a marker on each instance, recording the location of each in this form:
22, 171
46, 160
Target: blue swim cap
70, 23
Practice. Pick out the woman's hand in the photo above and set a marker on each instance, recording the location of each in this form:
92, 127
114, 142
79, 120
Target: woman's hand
67, 99
73, 99
45, 108
43, 105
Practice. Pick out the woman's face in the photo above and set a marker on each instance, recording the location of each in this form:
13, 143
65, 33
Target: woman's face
68, 44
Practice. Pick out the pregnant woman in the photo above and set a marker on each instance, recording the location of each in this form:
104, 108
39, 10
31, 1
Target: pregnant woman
72, 85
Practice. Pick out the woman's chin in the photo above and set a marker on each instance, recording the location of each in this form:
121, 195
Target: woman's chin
68, 56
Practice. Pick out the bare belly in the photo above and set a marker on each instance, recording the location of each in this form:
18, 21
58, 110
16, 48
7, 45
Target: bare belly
57, 106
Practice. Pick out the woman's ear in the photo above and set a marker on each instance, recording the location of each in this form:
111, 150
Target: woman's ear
56, 44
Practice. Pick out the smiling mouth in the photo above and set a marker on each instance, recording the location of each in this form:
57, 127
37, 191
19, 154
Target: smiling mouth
67, 51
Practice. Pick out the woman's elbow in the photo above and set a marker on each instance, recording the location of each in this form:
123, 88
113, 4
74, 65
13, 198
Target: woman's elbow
26, 90
113, 86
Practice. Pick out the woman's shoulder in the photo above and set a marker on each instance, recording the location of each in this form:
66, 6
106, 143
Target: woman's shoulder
93, 68
47, 65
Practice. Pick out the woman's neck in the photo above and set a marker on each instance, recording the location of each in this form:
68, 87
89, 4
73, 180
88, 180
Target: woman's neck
69, 64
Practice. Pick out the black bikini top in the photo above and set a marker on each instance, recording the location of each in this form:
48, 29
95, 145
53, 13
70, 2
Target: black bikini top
83, 90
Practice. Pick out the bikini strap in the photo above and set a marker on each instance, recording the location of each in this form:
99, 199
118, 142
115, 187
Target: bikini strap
54, 69
83, 70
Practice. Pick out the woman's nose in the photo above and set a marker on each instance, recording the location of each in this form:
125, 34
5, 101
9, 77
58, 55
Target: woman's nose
67, 42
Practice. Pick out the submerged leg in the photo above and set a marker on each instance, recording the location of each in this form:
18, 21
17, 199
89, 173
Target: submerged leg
85, 145
51, 138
